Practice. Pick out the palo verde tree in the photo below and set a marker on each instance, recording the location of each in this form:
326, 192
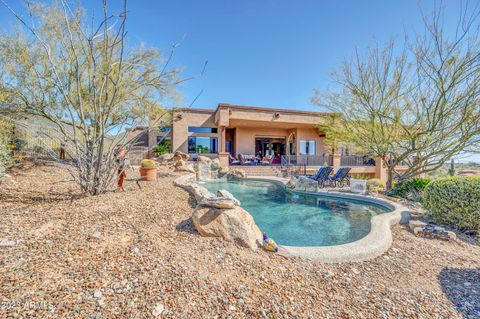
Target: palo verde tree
78, 73
418, 105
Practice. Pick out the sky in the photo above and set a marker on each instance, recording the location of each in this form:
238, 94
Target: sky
270, 53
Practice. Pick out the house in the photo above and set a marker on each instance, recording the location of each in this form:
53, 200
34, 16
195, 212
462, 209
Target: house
250, 130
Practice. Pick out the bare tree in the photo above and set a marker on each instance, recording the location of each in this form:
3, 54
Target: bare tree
86, 81
418, 105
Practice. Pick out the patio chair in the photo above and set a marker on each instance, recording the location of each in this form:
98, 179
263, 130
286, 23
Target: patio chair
341, 177
243, 160
233, 160
322, 175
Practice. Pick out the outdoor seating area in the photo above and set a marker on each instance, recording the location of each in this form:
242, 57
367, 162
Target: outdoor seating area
325, 179
248, 159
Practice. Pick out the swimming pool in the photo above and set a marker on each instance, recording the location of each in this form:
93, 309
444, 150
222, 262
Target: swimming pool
301, 219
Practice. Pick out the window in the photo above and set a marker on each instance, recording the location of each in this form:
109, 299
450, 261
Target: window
165, 129
198, 129
307, 147
197, 144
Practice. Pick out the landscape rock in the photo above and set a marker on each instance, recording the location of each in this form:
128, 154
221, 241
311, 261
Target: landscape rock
4, 242
215, 165
234, 225
306, 184
412, 224
218, 202
165, 158
236, 173
204, 159
226, 194
292, 183
435, 232
179, 156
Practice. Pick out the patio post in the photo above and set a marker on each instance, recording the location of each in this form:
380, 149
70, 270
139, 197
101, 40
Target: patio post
223, 156
336, 162
380, 170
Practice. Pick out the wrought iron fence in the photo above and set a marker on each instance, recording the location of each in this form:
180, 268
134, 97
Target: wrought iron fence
357, 160
306, 160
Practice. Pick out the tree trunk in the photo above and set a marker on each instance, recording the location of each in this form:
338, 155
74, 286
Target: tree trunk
389, 183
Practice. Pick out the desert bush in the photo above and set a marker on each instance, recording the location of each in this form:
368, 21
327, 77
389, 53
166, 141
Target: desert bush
5, 160
375, 185
161, 149
454, 201
410, 189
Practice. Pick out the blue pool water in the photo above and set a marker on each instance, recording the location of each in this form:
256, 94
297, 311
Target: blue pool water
300, 220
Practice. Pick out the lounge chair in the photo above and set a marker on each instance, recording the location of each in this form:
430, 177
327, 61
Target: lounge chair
340, 178
233, 160
243, 160
322, 175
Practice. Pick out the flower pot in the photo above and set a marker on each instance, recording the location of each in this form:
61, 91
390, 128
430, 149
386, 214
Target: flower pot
148, 173
358, 186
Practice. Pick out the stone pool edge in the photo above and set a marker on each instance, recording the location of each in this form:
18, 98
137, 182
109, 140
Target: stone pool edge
377, 242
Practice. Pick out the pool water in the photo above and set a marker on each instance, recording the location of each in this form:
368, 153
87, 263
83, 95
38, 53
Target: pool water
300, 220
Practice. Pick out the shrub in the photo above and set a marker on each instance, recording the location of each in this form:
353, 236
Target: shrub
5, 160
161, 149
454, 201
410, 189
375, 185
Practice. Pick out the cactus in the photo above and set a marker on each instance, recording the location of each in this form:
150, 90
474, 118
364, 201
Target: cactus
148, 163
451, 170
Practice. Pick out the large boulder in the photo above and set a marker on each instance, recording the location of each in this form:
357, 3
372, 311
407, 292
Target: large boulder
163, 159
215, 165
184, 167
236, 173
306, 184
226, 194
204, 159
235, 225
179, 156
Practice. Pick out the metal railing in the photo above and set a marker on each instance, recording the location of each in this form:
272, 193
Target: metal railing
357, 160
306, 160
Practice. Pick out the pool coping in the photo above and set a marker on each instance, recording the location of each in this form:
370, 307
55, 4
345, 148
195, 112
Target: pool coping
374, 244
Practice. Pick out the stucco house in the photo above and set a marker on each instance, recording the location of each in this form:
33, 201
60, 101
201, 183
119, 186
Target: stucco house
231, 130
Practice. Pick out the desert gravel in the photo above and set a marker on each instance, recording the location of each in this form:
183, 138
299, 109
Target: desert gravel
137, 255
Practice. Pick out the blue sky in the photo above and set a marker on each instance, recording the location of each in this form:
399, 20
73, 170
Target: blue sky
263, 52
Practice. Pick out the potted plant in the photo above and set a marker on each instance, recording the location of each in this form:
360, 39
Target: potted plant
358, 184
148, 170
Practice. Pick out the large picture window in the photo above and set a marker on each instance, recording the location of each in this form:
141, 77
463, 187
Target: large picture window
197, 144
307, 147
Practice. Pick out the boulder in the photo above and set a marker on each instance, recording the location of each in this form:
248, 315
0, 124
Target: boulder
226, 194
306, 184
412, 224
292, 183
177, 156
201, 194
236, 173
215, 164
218, 202
204, 159
235, 225
164, 158
179, 163
223, 171
185, 168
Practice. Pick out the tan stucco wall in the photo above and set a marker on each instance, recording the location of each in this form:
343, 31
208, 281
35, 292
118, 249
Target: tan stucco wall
191, 118
244, 141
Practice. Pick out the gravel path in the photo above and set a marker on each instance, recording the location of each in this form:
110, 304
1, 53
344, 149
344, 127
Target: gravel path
137, 255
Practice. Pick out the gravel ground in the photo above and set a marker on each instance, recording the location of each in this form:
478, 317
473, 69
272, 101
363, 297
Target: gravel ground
137, 255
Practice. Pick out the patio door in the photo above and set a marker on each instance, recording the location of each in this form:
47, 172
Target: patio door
269, 146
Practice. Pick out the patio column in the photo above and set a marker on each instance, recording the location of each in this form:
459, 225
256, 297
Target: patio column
223, 155
380, 170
